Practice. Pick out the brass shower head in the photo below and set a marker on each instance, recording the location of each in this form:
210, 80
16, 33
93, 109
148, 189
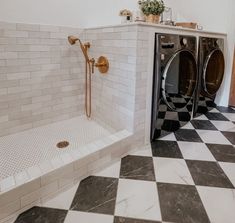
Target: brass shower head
72, 40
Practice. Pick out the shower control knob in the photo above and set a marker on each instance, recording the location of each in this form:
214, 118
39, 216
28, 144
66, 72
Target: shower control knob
184, 42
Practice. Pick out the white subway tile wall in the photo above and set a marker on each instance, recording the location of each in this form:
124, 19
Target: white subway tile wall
41, 76
119, 98
114, 93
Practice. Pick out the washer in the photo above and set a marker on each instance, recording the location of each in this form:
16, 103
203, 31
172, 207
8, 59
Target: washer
211, 66
174, 83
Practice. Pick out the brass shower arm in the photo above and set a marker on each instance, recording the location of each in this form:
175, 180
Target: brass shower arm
72, 40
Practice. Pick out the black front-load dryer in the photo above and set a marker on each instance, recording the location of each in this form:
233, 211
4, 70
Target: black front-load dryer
174, 83
211, 66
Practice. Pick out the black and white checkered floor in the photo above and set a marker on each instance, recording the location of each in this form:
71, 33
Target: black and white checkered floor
188, 176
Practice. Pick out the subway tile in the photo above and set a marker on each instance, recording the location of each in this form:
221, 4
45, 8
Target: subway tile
48, 28
39, 48
7, 26
13, 33
18, 192
17, 62
7, 183
40, 35
9, 208
18, 76
21, 178
8, 55
13, 90
27, 27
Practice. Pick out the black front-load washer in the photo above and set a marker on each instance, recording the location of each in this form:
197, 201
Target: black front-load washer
174, 83
211, 67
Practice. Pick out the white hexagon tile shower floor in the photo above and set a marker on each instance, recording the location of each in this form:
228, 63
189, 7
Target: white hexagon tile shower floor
29, 148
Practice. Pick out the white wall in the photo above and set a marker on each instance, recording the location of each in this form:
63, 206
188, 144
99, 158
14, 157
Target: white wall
64, 12
216, 15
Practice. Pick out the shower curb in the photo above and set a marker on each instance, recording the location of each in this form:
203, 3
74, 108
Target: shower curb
19, 193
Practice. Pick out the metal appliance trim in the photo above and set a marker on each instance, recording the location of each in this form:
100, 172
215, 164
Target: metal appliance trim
165, 75
206, 66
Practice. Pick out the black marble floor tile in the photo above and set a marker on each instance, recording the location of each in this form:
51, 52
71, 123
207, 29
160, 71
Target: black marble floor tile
225, 109
222, 153
188, 135
216, 116
181, 204
208, 174
42, 215
137, 168
184, 116
230, 136
132, 220
203, 124
170, 125
96, 194
162, 148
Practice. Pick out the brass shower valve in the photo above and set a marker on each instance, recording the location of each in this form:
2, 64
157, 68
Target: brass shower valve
102, 64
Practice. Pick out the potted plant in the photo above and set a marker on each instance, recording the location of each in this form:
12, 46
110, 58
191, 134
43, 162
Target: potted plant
152, 9
126, 15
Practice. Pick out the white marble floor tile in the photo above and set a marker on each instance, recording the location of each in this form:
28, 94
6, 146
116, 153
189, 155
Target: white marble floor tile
201, 117
110, 171
229, 169
138, 199
188, 126
219, 203
143, 151
195, 151
63, 200
214, 137
224, 126
83, 217
215, 110
230, 116
169, 170
170, 137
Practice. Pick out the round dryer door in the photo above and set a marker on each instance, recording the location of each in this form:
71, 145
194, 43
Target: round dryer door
179, 80
213, 72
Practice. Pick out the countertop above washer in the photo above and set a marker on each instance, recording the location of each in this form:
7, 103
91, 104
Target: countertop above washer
162, 27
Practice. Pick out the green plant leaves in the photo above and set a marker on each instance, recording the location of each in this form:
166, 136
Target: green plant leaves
154, 7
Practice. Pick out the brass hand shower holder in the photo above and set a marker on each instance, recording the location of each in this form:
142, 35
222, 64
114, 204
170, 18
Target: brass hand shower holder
102, 64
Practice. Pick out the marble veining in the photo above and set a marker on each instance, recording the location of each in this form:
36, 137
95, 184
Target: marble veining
96, 194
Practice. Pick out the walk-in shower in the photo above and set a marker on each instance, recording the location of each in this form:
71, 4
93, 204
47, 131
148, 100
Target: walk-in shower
102, 64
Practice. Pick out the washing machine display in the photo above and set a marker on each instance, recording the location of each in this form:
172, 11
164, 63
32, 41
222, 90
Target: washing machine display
211, 72
174, 83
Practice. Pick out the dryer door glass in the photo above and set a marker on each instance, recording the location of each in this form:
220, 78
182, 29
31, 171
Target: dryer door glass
179, 80
213, 72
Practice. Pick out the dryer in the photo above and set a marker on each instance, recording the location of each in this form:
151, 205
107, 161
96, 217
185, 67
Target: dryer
211, 66
174, 83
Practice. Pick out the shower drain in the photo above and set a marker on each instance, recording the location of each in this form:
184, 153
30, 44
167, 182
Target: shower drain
62, 144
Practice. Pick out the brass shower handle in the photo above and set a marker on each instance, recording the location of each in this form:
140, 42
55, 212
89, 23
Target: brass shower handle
100, 64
